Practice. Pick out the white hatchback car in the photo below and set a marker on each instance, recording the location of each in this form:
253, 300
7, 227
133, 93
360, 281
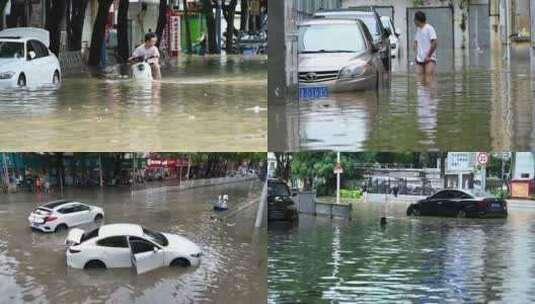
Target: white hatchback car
63, 214
25, 59
127, 245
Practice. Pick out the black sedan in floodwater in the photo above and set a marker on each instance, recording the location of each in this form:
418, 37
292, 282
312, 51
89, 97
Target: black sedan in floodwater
281, 207
457, 203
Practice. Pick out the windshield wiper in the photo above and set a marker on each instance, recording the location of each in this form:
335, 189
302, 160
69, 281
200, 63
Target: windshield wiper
326, 51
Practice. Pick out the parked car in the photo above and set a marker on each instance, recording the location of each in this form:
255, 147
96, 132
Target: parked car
25, 59
127, 245
368, 15
63, 214
281, 207
395, 47
337, 56
459, 203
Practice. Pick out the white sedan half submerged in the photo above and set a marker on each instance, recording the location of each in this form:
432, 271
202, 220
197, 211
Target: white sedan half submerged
127, 245
25, 59
64, 214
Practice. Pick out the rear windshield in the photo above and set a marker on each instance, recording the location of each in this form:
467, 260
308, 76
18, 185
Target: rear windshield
156, 237
89, 235
331, 38
54, 204
10, 49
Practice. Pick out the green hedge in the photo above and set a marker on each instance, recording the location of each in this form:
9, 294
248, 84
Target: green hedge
350, 193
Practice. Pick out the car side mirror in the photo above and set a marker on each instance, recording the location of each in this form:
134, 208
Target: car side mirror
31, 55
398, 32
155, 249
388, 32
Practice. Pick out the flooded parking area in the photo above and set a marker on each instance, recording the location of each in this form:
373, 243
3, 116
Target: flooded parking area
232, 269
413, 260
202, 103
479, 101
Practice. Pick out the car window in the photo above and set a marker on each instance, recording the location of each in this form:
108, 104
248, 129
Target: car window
114, 241
10, 49
460, 194
333, 38
139, 245
442, 195
278, 189
39, 48
82, 207
156, 237
89, 235
372, 24
67, 209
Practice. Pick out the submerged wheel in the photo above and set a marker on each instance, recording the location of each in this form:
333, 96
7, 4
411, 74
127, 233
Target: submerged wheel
461, 214
98, 218
56, 79
21, 82
182, 262
61, 227
413, 211
95, 264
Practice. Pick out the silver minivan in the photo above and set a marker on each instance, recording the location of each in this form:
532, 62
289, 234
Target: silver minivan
337, 55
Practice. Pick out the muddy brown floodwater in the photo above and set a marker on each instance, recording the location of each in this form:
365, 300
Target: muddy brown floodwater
200, 104
232, 269
482, 102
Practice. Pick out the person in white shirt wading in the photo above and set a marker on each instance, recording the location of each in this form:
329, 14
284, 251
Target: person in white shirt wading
149, 51
425, 47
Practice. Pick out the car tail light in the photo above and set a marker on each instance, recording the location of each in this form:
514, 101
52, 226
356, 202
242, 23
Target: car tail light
50, 218
482, 204
74, 250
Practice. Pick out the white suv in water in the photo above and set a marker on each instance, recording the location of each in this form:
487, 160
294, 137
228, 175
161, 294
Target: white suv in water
25, 59
127, 245
64, 214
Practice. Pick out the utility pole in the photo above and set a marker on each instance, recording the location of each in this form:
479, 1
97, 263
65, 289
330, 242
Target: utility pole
100, 170
218, 25
262, 206
337, 171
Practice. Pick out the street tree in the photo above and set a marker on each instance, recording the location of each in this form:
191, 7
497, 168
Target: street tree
208, 9
122, 30
75, 23
55, 11
229, 11
99, 28
162, 20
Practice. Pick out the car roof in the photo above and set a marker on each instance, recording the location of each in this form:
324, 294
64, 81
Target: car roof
15, 38
329, 21
57, 203
120, 229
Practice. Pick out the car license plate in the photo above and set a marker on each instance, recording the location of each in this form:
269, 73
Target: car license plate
496, 206
310, 93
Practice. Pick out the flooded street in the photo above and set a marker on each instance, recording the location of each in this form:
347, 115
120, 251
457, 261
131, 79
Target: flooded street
481, 101
200, 104
232, 269
418, 260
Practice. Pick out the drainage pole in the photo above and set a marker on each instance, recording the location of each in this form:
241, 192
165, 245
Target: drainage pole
262, 206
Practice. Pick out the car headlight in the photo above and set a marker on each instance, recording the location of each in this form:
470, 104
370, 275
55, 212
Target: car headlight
7, 75
196, 255
353, 71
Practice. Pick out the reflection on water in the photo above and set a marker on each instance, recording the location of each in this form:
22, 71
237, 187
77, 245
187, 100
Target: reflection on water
33, 269
485, 102
424, 260
201, 104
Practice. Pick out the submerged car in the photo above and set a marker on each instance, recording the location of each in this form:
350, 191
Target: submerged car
127, 245
281, 207
337, 56
395, 47
458, 203
25, 58
372, 20
63, 214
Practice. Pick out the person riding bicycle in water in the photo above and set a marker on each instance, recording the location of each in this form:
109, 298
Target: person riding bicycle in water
148, 51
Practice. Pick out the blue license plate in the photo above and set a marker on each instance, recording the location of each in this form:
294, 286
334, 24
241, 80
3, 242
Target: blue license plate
496, 206
310, 93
